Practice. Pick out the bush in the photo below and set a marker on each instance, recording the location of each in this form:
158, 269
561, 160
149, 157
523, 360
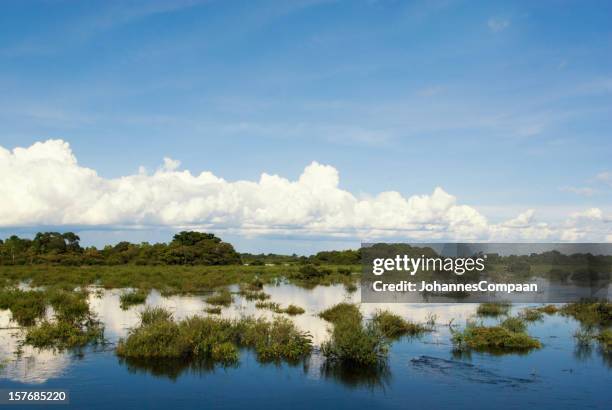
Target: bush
25, 306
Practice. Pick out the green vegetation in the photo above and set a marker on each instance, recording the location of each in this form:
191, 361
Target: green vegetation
354, 344
496, 339
25, 306
64, 334
221, 298
340, 312
605, 339
393, 326
276, 308
590, 313
514, 324
186, 248
249, 293
217, 339
493, 309
213, 310
531, 314
136, 297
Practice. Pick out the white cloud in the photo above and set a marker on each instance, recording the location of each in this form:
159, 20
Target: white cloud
44, 185
497, 25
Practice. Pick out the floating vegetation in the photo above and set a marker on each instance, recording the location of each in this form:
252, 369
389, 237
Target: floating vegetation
217, 339
493, 309
26, 306
354, 344
136, 297
221, 298
496, 339
340, 312
214, 310
590, 313
393, 326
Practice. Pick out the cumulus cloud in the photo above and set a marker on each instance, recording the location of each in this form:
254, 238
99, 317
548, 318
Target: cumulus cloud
45, 185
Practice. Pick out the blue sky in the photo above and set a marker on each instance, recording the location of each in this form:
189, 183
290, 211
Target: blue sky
505, 105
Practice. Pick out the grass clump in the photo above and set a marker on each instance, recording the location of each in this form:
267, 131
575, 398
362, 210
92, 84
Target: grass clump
217, 339
250, 294
136, 297
213, 310
493, 309
496, 339
69, 306
590, 313
64, 334
393, 326
276, 308
531, 315
221, 298
340, 312
514, 324
548, 309
354, 344
605, 339
25, 306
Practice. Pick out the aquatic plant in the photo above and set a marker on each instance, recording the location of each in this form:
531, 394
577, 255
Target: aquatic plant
26, 306
154, 314
267, 305
531, 314
341, 311
221, 298
493, 309
276, 308
216, 310
514, 324
605, 339
493, 338
250, 294
135, 297
548, 309
293, 310
352, 343
64, 334
393, 326
590, 313
213, 338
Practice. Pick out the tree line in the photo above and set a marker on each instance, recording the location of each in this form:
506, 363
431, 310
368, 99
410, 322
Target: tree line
186, 248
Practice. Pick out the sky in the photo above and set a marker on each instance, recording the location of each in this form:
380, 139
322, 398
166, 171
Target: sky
369, 120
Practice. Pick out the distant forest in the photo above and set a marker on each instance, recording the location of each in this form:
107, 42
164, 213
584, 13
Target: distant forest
186, 248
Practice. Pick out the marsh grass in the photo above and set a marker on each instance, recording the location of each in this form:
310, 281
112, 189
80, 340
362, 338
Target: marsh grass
493, 309
514, 324
291, 310
394, 326
26, 306
221, 298
354, 344
250, 294
135, 297
548, 309
340, 312
590, 313
494, 339
216, 310
217, 339
605, 339
64, 334
170, 279
531, 315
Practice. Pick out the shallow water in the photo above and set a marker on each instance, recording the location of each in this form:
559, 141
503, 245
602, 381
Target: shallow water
422, 372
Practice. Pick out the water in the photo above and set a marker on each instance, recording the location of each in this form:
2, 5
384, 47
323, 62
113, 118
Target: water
422, 372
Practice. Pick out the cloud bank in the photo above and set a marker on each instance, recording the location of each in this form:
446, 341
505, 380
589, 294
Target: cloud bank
44, 185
